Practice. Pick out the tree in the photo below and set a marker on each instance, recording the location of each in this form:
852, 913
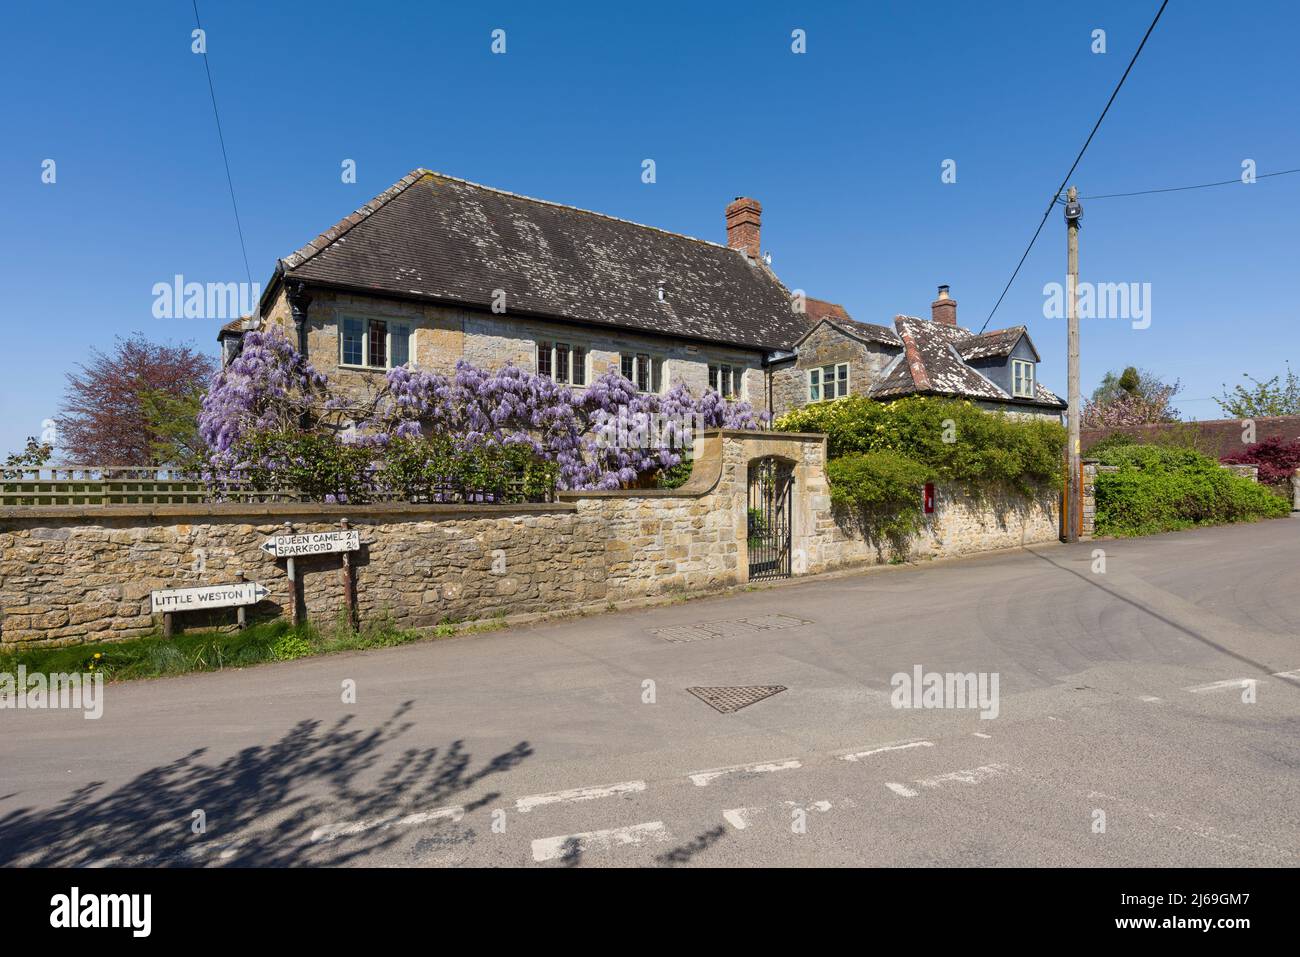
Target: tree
35, 455
174, 428
1272, 397
105, 416
1131, 397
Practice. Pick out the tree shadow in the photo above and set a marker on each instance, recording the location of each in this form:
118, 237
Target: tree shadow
697, 845
263, 807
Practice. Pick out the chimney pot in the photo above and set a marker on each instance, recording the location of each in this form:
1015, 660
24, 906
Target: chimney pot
744, 220
944, 309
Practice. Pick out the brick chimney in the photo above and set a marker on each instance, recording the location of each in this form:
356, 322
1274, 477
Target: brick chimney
944, 309
744, 217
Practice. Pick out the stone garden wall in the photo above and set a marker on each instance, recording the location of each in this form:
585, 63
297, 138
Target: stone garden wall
71, 574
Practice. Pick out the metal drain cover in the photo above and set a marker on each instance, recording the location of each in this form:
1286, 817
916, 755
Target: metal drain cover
728, 700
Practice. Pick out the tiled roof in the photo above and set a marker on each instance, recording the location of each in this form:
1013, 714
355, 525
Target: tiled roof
817, 311
997, 343
439, 238
240, 325
934, 361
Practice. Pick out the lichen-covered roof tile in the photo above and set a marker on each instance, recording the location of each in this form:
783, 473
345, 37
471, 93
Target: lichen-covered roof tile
447, 239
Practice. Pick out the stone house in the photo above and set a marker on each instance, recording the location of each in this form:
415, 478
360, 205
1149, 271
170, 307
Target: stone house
436, 269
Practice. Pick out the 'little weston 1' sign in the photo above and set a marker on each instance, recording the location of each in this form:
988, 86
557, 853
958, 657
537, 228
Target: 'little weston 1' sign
208, 596
313, 543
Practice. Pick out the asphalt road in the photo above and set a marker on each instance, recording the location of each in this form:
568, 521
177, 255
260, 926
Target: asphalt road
576, 743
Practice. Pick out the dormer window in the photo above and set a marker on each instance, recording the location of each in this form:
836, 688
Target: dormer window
1022, 378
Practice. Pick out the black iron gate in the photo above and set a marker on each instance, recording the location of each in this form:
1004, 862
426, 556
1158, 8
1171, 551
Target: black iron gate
768, 518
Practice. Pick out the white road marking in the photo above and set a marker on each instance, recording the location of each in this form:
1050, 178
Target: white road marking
1222, 685
1150, 698
328, 832
822, 806
967, 776
526, 804
981, 734
1288, 675
859, 755
705, 778
550, 848
738, 817
901, 790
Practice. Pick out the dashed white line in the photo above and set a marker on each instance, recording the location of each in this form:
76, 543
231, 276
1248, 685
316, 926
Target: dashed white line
1222, 685
859, 755
572, 845
705, 778
328, 832
901, 790
1150, 699
525, 804
981, 734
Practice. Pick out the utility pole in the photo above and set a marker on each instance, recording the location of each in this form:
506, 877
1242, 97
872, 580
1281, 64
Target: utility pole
1074, 484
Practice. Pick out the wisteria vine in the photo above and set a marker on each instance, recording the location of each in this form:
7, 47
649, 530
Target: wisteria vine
606, 436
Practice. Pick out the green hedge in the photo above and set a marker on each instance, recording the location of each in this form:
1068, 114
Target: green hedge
1161, 488
880, 455
955, 441
884, 488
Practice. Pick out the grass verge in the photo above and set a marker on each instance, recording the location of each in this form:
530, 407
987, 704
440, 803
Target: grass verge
153, 656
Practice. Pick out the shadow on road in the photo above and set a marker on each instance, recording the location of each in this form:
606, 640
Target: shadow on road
261, 806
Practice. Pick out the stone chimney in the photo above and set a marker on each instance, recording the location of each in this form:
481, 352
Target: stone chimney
944, 309
744, 217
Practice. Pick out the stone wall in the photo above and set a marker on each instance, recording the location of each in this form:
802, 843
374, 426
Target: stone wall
73, 574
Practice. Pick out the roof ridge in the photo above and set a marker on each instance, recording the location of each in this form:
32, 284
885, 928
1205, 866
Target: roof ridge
579, 209
915, 362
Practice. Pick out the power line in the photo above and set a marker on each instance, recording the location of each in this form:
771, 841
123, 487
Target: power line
1178, 189
222, 139
1076, 162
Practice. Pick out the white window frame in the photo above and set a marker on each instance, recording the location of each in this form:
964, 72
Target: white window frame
1016, 376
731, 371
551, 345
817, 380
656, 362
389, 325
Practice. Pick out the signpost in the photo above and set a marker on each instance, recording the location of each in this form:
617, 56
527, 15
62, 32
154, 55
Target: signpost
290, 546
169, 601
312, 543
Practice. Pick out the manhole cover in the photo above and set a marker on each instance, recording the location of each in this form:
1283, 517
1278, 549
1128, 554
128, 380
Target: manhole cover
729, 628
728, 700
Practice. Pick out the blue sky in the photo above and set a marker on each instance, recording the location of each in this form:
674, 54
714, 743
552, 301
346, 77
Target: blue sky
843, 145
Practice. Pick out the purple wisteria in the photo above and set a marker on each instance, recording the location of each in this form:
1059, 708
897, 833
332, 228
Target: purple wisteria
269, 387
607, 436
